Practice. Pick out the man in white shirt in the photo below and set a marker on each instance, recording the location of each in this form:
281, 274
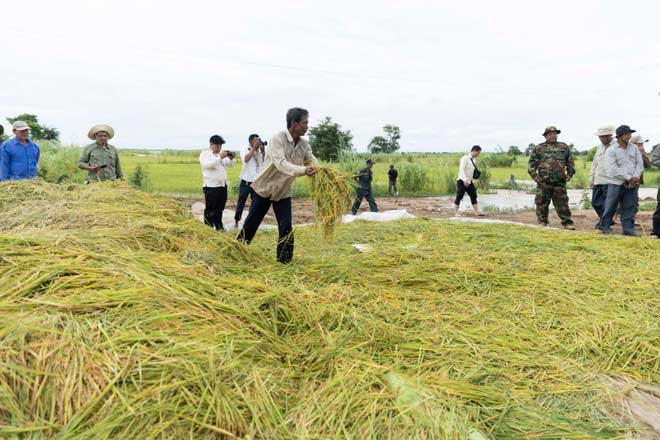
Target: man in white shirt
214, 163
288, 156
464, 182
624, 167
252, 157
597, 177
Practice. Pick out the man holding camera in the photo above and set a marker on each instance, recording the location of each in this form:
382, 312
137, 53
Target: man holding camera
214, 162
252, 157
100, 158
287, 157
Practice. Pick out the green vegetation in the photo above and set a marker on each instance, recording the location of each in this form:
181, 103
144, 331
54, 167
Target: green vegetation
121, 317
37, 131
177, 172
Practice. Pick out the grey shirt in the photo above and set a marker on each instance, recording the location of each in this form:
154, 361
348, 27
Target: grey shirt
621, 164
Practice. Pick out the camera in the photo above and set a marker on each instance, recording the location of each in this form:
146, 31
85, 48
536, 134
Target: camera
231, 154
264, 143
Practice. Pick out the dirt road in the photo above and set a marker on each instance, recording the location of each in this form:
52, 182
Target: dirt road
584, 219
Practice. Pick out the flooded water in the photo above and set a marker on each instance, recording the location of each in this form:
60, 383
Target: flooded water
506, 200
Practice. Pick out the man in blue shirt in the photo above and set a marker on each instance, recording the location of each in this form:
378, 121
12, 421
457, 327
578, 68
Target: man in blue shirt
19, 156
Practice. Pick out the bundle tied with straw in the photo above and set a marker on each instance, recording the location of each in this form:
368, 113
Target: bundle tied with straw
331, 194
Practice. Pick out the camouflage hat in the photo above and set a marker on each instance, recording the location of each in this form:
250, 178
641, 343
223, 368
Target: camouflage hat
550, 129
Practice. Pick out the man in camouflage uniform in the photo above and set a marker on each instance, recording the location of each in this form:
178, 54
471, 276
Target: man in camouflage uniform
551, 166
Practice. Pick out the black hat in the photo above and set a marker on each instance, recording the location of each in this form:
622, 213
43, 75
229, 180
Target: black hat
217, 140
624, 129
369, 161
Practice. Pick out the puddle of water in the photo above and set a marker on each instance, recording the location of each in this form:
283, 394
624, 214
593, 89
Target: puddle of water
507, 200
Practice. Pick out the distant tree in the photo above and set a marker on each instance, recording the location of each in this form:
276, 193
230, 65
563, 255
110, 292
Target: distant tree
50, 134
37, 131
514, 150
529, 149
388, 143
328, 140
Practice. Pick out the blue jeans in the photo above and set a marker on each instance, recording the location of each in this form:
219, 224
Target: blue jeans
244, 190
627, 198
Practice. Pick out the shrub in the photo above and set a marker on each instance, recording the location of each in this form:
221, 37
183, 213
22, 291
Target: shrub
140, 179
413, 177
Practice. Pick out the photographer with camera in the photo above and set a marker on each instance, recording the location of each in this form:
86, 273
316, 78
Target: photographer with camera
214, 162
252, 157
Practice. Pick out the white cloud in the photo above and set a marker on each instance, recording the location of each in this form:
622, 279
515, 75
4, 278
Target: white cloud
170, 73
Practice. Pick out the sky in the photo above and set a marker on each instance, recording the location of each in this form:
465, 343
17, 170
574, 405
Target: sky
168, 74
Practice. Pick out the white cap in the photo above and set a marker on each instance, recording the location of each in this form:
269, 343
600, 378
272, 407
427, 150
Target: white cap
608, 130
20, 126
638, 139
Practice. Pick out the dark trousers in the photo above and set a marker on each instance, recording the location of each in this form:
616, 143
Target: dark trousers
364, 194
598, 197
461, 190
627, 199
258, 209
243, 192
216, 199
656, 217
392, 187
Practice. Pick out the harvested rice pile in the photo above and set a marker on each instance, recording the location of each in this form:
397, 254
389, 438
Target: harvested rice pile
331, 194
121, 317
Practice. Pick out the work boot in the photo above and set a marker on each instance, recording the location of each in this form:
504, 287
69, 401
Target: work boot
569, 227
478, 211
543, 224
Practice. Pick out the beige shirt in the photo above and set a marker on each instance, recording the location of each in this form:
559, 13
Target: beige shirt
598, 176
284, 162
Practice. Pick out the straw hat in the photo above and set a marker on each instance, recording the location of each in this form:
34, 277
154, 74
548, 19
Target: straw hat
101, 127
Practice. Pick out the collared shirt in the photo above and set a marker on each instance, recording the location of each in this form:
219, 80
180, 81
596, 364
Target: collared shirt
284, 162
466, 169
621, 164
252, 167
96, 155
597, 175
19, 161
214, 172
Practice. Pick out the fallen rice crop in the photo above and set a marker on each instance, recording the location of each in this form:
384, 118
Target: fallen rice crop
122, 317
331, 195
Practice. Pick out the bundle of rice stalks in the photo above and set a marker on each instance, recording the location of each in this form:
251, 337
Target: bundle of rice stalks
331, 194
122, 318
